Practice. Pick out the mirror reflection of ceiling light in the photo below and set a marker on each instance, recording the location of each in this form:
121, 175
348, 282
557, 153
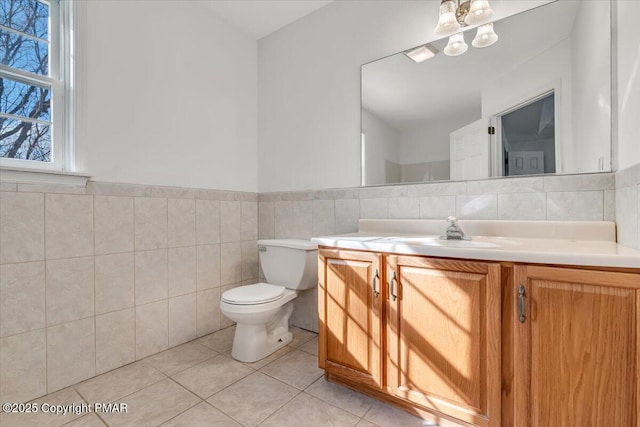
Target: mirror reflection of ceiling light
457, 14
422, 53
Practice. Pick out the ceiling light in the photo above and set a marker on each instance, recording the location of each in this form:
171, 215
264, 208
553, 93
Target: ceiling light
422, 53
456, 45
485, 36
447, 23
479, 12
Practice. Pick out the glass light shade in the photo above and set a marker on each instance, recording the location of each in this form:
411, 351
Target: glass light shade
479, 12
485, 36
447, 23
456, 45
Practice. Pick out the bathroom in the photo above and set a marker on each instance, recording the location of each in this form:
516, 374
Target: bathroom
198, 129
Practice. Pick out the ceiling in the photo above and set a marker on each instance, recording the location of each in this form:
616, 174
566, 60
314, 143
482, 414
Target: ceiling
259, 18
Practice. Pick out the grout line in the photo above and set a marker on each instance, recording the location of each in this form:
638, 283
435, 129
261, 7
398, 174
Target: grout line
46, 319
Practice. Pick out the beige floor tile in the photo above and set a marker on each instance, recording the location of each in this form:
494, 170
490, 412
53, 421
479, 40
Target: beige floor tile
365, 423
273, 356
65, 396
301, 336
153, 405
212, 375
310, 347
311, 412
221, 341
180, 358
340, 396
296, 368
90, 420
388, 416
119, 382
253, 398
202, 415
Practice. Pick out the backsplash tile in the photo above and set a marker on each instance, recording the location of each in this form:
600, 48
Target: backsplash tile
575, 206
477, 207
522, 206
437, 207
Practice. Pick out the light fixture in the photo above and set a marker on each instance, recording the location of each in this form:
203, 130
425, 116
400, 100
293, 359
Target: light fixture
456, 45
422, 53
457, 14
485, 36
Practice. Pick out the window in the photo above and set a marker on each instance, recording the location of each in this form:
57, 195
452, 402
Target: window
35, 77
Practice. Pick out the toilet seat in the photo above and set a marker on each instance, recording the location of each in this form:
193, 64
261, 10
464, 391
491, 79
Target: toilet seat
259, 293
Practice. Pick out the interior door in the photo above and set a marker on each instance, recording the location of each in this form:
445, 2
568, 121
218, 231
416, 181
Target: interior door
469, 150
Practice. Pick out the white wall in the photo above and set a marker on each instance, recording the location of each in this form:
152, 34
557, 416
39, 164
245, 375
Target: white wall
381, 141
170, 97
628, 65
591, 92
309, 86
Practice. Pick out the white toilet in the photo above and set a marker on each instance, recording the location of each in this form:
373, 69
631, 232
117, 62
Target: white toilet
262, 311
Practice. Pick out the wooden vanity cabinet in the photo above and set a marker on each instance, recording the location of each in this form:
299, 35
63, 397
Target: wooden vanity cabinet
350, 302
575, 347
443, 336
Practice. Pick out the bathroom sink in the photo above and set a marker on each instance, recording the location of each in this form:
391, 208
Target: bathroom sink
475, 243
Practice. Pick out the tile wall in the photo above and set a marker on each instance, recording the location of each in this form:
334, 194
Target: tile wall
303, 214
96, 277
628, 206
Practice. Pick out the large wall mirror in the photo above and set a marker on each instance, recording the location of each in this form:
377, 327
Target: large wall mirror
538, 101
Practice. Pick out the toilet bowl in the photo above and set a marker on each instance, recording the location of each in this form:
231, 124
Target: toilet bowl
262, 310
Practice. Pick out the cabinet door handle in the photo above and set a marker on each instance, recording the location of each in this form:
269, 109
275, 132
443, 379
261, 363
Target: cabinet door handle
392, 287
374, 285
521, 304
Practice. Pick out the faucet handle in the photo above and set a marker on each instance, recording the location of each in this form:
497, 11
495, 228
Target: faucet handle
452, 219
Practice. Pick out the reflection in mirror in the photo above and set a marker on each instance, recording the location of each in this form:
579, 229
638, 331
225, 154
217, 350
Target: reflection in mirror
537, 101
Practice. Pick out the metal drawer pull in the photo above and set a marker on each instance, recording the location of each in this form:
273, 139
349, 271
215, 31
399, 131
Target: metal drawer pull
376, 290
521, 304
392, 287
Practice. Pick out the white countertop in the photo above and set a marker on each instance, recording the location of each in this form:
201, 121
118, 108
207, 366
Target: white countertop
574, 250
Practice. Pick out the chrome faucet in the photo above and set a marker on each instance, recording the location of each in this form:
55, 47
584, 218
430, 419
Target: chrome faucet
454, 232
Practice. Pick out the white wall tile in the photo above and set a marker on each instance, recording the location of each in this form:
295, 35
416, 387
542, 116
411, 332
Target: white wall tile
575, 206
182, 319
230, 221
114, 229
182, 222
152, 328
208, 311
70, 289
208, 266
207, 221
302, 219
21, 227
404, 208
374, 208
627, 215
22, 298
522, 206
347, 215
150, 223
249, 260
437, 189
283, 219
249, 227
24, 366
529, 184
114, 282
68, 226
266, 220
151, 276
324, 218
437, 207
115, 339
477, 207
582, 182
182, 270
230, 263
609, 205
71, 353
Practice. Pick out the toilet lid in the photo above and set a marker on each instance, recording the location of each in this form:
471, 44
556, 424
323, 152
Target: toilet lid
253, 294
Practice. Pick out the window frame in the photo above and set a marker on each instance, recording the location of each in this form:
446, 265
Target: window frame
61, 80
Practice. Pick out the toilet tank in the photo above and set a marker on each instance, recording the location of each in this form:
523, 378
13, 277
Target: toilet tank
291, 263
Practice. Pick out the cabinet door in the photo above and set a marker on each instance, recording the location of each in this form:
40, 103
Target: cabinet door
349, 303
576, 349
443, 336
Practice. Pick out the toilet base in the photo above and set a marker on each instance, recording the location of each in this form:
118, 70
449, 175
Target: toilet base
253, 342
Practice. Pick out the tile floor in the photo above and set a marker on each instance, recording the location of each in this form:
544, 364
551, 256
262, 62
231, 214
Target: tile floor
199, 384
